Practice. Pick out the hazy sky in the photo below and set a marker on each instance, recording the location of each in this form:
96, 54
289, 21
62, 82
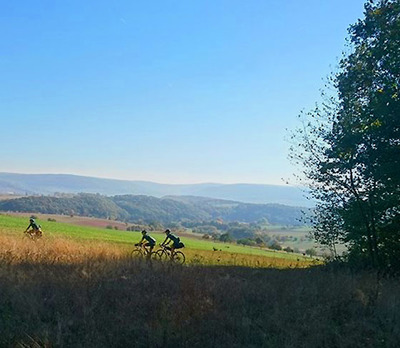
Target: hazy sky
169, 91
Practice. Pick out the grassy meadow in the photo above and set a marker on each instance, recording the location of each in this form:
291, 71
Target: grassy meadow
197, 250
77, 287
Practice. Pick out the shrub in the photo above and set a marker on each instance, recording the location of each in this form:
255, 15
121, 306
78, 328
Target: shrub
288, 249
225, 237
246, 241
274, 245
311, 252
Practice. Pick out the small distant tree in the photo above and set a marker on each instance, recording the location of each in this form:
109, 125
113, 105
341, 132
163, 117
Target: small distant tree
207, 229
215, 236
288, 249
259, 241
311, 252
246, 241
274, 245
154, 226
225, 237
175, 226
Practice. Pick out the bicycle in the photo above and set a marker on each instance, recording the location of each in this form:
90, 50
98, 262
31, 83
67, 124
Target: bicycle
141, 251
164, 254
33, 234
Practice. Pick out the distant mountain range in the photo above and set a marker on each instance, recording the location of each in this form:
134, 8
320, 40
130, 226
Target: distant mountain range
50, 184
132, 208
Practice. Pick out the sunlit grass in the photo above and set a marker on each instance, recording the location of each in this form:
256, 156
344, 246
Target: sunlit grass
65, 239
223, 258
85, 292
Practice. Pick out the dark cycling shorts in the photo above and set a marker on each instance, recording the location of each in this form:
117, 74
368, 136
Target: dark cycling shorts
178, 245
152, 245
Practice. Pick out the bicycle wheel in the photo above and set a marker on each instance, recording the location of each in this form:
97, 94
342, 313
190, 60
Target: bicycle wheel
36, 236
154, 256
179, 257
162, 255
27, 236
136, 253
31, 236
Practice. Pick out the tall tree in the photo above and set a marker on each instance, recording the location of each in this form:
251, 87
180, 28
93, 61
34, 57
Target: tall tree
350, 147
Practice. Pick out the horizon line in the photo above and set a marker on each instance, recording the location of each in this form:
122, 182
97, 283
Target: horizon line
150, 181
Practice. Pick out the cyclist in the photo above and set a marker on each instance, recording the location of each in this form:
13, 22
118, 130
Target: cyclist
36, 228
176, 242
150, 241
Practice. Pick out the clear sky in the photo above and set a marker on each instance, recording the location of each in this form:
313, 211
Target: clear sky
170, 91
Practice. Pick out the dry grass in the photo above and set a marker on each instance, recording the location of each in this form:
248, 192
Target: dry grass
60, 293
206, 257
64, 250
56, 250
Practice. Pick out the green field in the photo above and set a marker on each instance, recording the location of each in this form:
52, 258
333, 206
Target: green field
14, 226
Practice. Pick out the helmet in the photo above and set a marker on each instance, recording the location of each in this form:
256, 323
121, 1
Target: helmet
167, 231
144, 232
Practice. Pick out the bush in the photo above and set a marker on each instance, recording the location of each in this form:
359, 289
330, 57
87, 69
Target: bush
311, 252
225, 237
274, 245
259, 241
246, 241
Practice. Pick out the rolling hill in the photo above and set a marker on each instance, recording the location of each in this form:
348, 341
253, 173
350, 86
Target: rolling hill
132, 208
49, 184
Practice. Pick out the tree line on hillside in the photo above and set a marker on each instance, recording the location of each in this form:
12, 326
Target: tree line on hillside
131, 208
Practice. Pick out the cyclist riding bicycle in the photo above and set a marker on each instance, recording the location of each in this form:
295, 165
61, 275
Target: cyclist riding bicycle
36, 228
176, 242
150, 241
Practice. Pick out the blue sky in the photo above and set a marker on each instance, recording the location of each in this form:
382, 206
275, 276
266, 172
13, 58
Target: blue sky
166, 91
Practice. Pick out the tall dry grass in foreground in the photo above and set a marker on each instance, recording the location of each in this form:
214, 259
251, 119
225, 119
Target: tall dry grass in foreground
65, 294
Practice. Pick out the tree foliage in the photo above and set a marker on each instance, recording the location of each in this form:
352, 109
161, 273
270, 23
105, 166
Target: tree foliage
350, 146
152, 210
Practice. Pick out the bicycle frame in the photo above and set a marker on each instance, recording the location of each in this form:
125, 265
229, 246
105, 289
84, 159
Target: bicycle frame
33, 234
165, 253
141, 250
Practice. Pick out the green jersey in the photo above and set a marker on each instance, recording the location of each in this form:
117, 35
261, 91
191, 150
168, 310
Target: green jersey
150, 239
174, 238
34, 225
